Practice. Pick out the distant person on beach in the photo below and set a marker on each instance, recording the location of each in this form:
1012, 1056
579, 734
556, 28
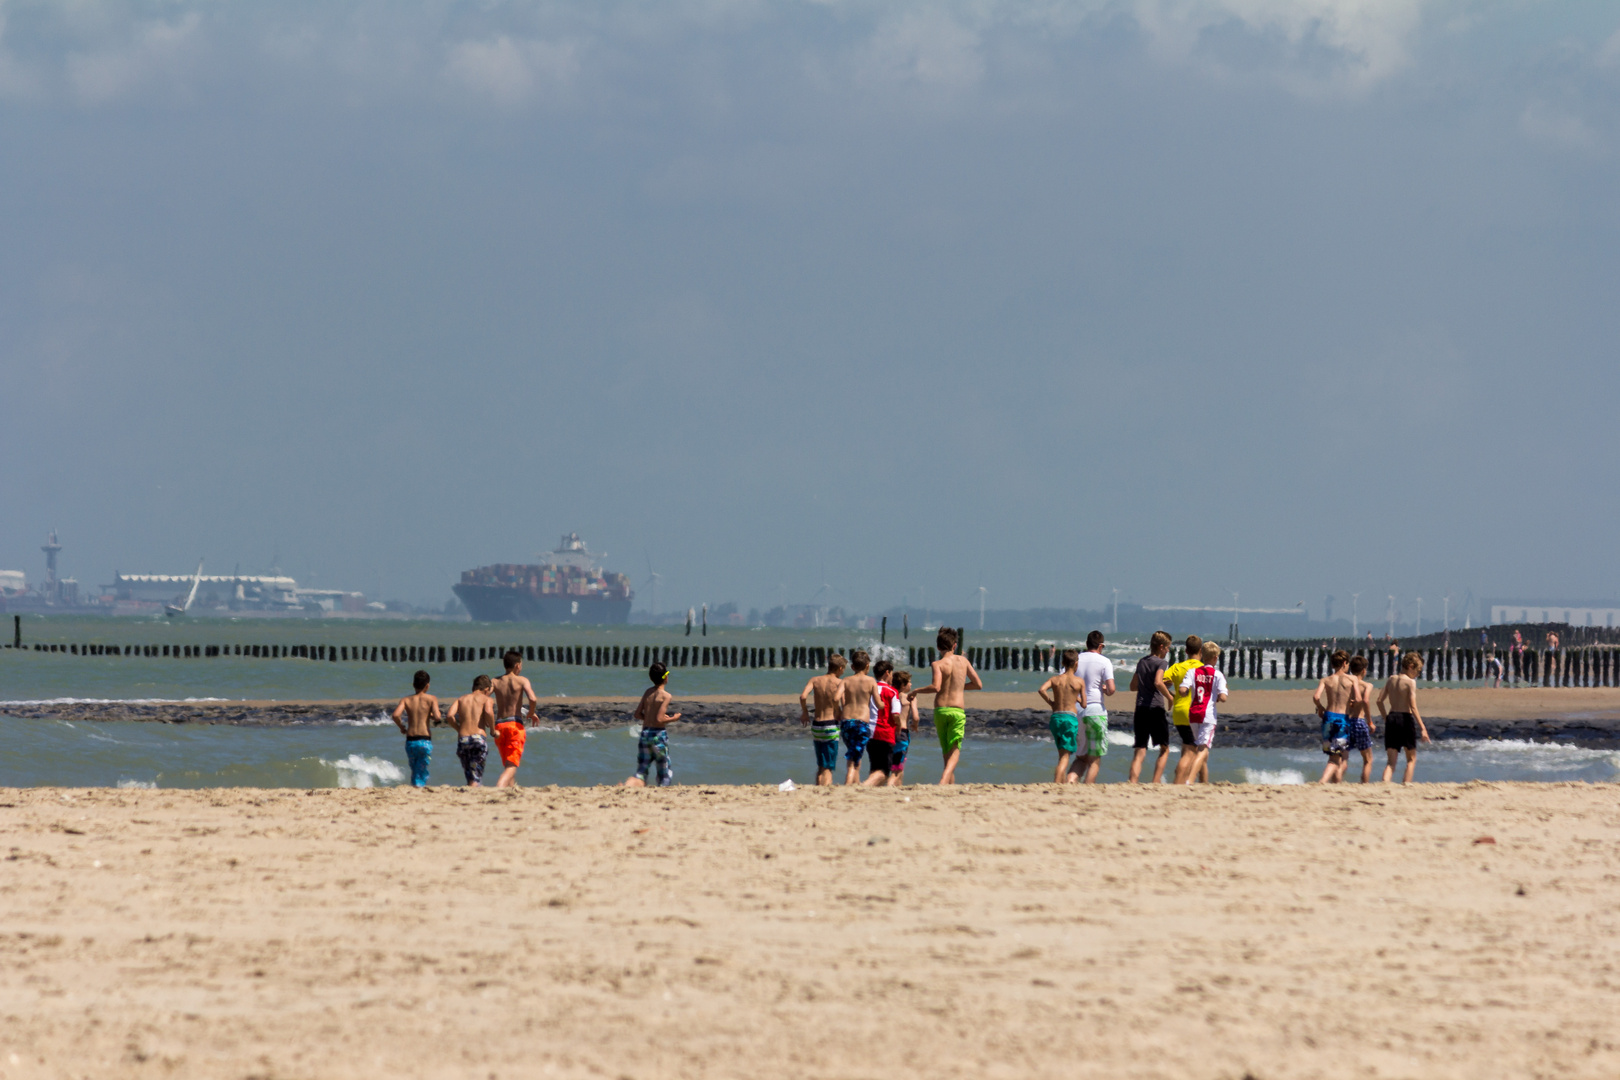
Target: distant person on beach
885, 710
652, 713
473, 714
422, 708
511, 691
1181, 702
1098, 672
1362, 729
1550, 678
858, 719
1065, 695
905, 723
1493, 670
1206, 687
1152, 720
1403, 724
953, 676
828, 692
1332, 700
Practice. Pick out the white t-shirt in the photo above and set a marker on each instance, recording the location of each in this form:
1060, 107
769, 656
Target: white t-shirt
1095, 669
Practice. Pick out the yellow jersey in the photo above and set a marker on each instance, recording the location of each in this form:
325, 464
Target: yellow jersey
1172, 679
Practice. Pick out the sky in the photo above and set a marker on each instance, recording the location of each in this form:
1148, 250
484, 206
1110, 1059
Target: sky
878, 301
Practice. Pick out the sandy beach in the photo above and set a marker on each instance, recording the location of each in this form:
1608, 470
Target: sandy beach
1008, 932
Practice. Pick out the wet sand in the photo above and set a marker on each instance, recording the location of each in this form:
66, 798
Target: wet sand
1000, 932
1585, 717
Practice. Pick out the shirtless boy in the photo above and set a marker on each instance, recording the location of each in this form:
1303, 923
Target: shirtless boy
828, 692
953, 676
473, 714
905, 722
511, 690
1362, 728
885, 710
1065, 695
1098, 673
857, 711
1152, 721
1180, 703
652, 751
1206, 687
422, 708
1332, 700
1403, 724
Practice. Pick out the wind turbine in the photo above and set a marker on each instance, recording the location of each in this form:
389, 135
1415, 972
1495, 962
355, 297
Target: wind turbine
981, 606
1419, 631
1392, 618
1113, 627
1234, 615
1353, 628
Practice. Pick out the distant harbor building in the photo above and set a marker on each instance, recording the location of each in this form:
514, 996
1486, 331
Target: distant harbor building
55, 595
230, 592
1603, 613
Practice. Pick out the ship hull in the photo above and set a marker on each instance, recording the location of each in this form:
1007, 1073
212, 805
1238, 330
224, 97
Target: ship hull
500, 603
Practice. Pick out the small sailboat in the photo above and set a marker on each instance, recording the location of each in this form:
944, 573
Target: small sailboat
171, 610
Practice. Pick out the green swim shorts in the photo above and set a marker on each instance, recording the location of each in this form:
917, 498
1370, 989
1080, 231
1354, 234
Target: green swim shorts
1096, 735
949, 724
1065, 731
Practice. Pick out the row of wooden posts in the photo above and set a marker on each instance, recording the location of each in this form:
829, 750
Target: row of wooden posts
1595, 666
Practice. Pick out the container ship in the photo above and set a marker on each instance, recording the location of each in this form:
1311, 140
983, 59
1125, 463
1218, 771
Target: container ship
569, 587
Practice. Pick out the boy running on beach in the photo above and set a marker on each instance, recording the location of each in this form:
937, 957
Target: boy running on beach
857, 721
1403, 724
652, 750
828, 692
953, 676
1332, 700
1362, 729
1065, 695
885, 708
422, 708
905, 722
1098, 672
1180, 703
1205, 686
1152, 721
511, 690
473, 714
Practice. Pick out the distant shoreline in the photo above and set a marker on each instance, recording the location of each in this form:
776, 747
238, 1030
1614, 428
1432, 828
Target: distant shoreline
1584, 718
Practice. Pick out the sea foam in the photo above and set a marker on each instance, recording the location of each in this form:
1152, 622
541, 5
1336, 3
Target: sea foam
357, 771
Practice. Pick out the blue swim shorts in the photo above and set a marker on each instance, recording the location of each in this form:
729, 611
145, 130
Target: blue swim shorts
1360, 734
857, 733
897, 756
1335, 733
825, 739
418, 752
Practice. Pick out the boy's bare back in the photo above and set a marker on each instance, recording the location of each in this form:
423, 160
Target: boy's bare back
651, 713
1068, 692
509, 692
1337, 691
422, 709
1400, 692
856, 696
951, 675
473, 712
828, 692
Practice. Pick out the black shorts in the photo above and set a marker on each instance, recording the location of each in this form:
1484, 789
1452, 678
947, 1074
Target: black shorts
1186, 733
1400, 732
1152, 727
879, 753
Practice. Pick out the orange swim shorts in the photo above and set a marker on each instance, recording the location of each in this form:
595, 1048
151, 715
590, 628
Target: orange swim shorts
510, 738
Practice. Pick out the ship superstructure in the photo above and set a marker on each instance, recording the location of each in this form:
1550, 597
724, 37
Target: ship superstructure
567, 587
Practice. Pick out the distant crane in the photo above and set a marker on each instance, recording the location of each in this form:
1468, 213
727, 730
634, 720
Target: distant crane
171, 611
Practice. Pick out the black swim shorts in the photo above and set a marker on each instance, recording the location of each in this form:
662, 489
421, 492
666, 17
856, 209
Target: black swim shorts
1400, 731
1152, 728
1186, 733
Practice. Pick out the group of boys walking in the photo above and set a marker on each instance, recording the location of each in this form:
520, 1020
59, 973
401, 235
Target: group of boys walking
873, 712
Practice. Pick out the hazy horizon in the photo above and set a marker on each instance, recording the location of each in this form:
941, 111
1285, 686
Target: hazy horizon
836, 299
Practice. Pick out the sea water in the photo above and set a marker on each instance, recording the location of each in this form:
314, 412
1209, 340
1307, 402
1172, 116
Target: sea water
369, 752
34, 675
